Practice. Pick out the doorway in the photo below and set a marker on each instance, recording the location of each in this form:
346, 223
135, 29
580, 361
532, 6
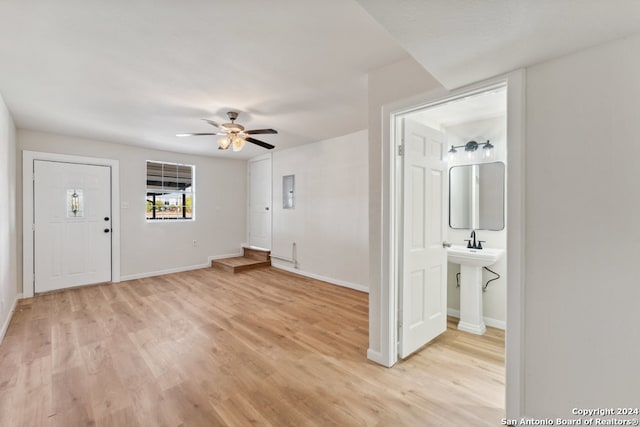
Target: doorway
383, 312
465, 135
71, 221
259, 202
72, 225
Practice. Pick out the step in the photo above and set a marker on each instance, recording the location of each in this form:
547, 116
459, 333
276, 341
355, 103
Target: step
238, 264
256, 253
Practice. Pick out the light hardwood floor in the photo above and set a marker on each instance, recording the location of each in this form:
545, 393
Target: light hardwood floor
209, 348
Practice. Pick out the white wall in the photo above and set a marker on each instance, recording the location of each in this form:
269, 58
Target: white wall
582, 234
494, 299
8, 227
149, 248
387, 85
329, 223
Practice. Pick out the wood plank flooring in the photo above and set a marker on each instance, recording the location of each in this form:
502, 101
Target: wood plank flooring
210, 348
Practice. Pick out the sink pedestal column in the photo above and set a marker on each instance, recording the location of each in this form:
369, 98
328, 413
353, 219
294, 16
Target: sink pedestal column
471, 319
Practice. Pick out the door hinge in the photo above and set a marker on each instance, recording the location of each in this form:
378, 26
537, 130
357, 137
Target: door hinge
400, 150
33, 227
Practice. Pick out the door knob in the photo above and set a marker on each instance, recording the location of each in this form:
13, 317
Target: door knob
106, 230
446, 244
267, 208
106, 218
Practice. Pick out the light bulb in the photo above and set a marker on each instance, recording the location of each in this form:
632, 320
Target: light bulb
223, 143
488, 148
238, 143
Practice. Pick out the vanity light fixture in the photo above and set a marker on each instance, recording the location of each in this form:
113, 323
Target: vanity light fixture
471, 146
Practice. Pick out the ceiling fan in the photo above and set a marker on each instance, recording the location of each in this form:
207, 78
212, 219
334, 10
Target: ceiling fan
234, 134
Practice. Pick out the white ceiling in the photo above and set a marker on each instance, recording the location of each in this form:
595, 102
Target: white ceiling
464, 41
138, 72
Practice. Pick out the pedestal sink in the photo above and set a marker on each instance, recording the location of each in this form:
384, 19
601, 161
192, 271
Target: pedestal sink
471, 262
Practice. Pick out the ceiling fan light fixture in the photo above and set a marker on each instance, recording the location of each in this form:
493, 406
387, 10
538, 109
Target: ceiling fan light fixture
234, 134
223, 143
238, 143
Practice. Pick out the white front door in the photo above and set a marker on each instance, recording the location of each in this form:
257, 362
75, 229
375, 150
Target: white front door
260, 203
72, 220
423, 275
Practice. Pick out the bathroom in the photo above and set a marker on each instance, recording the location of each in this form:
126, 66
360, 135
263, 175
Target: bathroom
474, 129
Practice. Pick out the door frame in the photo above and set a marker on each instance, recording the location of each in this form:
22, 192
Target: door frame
28, 159
514, 341
267, 156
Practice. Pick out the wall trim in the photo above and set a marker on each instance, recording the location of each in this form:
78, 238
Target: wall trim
163, 272
488, 321
231, 255
178, 269
331, 280
375, 356
5, 325
28, 158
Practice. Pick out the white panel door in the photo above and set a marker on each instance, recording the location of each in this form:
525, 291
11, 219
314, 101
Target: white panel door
72, 219
260, 203
423, 277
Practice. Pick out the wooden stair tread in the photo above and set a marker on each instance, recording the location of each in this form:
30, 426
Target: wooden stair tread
240, 263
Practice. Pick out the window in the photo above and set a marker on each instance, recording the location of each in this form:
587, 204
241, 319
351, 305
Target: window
170, 191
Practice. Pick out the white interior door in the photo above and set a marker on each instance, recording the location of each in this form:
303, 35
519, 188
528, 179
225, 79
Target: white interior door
72, 223
260, 203
423, 275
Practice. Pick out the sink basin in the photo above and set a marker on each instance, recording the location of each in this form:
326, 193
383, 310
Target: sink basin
471, 262
475, 257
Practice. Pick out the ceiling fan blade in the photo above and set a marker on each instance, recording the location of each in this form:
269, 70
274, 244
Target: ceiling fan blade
259, 131
260, 143
196, 134
211, 122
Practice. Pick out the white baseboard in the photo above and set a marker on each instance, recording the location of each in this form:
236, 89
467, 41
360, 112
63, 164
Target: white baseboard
376, 356
214, 257
162, 272
5, 325
338, 282
178, 269
499, 324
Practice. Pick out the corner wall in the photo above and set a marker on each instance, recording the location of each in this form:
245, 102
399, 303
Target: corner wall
8, 227
149, 248
582, 233
392, 83
329, 222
